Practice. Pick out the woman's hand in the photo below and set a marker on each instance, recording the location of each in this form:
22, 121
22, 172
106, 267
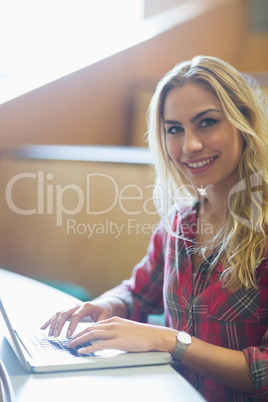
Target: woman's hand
97, 310
123, 334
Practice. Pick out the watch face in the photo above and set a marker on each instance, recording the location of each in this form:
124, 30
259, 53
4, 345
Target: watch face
184, 338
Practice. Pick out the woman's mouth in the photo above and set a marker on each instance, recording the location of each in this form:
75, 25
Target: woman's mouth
200, 166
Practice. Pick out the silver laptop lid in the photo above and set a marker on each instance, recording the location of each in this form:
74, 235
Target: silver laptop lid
12, 338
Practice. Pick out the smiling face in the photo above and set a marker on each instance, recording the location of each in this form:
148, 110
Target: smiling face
202, 143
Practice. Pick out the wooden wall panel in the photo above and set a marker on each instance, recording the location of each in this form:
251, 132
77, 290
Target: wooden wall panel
55, 241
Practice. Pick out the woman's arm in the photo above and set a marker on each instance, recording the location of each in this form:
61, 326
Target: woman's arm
225, 366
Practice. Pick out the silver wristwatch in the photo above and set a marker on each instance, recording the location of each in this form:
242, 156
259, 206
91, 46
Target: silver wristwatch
183, 340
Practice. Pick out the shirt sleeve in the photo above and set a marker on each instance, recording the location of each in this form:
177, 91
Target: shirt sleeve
257, 358
143, 292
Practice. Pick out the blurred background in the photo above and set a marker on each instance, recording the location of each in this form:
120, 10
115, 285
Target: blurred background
81, 73
89, 68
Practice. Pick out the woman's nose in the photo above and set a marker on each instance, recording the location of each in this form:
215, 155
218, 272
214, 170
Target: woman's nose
192, 143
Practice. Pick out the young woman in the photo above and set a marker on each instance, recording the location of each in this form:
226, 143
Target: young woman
207, 264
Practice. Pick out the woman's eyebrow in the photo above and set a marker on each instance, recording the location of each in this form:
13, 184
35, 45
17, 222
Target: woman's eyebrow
167, 121
203, 113
172, 122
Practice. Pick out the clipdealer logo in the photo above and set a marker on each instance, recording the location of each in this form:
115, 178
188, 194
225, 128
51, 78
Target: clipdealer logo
50, 198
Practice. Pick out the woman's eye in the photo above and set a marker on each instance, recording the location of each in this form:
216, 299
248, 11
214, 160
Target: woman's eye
175, 129
208, 122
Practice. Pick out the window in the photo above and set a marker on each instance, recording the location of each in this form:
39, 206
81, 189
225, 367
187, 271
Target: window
47, 39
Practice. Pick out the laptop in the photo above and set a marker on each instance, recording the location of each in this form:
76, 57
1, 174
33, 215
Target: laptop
39, 353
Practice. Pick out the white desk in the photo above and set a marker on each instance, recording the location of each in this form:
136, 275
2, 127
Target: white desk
38, 302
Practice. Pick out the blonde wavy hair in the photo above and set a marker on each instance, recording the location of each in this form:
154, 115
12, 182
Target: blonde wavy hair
242, 242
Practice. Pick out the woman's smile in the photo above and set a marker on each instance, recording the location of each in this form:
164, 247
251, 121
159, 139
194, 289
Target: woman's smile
199, 165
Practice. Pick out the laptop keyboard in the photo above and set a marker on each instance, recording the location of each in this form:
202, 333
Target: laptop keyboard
38, 344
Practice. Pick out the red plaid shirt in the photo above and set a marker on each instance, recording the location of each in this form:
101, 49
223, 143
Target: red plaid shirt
162, 282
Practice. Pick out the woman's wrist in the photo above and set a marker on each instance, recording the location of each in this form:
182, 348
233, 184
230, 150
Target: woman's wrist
165, 340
